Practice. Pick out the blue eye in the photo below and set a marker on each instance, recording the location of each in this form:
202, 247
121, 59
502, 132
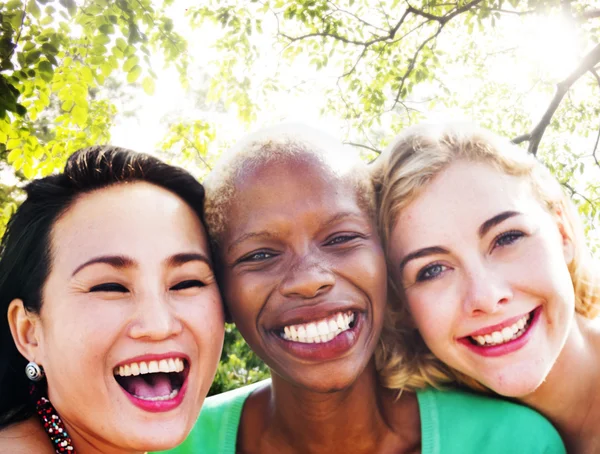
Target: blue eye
431, 272
188, 284
508, 238
109, 287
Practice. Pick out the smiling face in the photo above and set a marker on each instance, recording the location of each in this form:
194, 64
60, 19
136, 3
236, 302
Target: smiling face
304, 273
131, 288
484, 270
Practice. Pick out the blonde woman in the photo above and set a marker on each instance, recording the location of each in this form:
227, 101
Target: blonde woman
491, 267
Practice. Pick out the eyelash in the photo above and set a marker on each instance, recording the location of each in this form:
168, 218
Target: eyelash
341, 239
188, 284
253, 257
513, 235
109, 287
118, 288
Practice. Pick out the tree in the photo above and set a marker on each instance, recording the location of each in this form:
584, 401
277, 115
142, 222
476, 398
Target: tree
56, 59
380, 62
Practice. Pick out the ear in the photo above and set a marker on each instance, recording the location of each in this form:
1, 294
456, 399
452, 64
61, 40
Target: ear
566, 232
24, 327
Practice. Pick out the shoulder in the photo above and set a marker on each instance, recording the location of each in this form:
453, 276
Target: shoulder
216, 429
24, 438
484, 424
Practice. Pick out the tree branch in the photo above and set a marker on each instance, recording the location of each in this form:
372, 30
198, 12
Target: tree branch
534, 137
360, 145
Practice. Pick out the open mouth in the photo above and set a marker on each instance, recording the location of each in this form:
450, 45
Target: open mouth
505, 335
153, 381
319, 331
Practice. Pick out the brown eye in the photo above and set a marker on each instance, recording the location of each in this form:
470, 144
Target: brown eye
340, 239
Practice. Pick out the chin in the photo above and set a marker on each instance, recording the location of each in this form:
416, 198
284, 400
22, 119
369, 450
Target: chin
516, 386
159, 438
326, 383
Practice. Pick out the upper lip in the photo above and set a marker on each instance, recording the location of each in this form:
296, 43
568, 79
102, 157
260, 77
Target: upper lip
311, 313
153, 357
498, 327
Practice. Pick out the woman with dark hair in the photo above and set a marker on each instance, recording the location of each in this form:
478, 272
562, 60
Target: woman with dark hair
113, 322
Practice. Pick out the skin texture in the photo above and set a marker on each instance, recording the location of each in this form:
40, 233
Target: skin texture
297, 247
480, 279
97, 316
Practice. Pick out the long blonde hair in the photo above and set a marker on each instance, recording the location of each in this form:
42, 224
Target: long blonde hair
399, 175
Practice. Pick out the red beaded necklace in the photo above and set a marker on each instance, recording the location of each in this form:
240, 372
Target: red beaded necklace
54, 427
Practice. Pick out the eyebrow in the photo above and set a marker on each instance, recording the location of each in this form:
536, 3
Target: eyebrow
186, 257
422, 253
487, 225
116, 261
251, 235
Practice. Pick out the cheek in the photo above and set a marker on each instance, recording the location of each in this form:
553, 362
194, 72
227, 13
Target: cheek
433, 317
206, 318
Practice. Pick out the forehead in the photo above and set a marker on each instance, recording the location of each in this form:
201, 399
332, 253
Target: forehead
287, 188
463, 196
136, 219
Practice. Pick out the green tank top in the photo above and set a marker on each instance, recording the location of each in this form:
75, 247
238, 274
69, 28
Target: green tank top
452, 422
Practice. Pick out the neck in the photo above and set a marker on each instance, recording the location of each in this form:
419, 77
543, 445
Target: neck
569, 396
350, 420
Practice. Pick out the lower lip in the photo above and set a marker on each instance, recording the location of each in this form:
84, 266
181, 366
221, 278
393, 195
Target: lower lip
324, 351
508, 347
158, 406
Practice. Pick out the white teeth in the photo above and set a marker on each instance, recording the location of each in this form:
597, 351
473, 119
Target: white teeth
323, 328
320, 330
141, 368
311, 330
507, 333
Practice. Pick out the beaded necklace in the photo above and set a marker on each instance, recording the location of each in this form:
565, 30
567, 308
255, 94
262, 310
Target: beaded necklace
54, 427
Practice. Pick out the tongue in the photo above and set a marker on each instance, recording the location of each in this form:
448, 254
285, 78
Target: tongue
151, 385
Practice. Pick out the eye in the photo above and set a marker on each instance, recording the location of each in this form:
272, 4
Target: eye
257, 256
431, 272
507, 238
188, 284
340, 239
109, 287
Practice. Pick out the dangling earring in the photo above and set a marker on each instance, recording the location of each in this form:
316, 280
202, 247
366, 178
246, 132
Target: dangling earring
34, 372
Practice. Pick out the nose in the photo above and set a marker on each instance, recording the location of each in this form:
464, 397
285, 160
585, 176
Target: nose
487, 289
307, 278
155, 319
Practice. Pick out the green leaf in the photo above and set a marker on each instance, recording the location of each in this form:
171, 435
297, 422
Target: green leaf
148, 85
134, 74
34, 9
130, 63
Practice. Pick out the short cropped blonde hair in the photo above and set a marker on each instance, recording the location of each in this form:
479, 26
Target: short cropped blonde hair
399, 175
277, 143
